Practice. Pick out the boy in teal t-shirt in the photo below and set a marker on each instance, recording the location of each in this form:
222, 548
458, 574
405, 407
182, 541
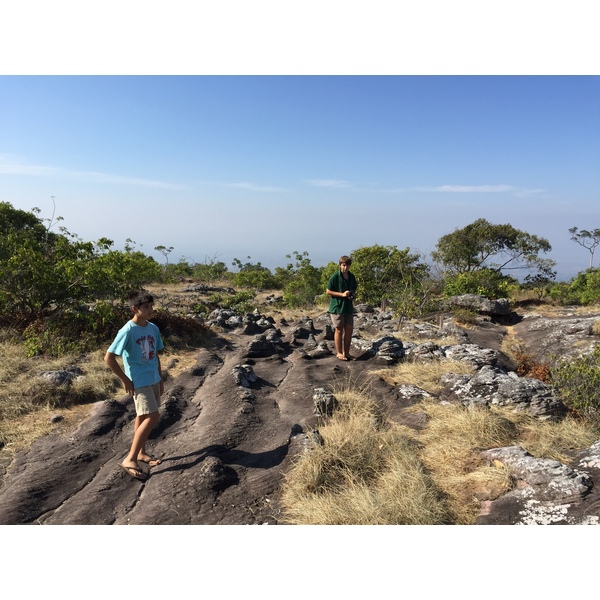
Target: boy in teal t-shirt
138, 343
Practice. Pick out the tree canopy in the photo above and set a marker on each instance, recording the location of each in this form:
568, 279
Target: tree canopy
42, 271
494, 247
587, 239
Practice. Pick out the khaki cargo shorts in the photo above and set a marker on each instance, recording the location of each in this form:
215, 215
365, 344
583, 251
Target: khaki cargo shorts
146, 399
340, 320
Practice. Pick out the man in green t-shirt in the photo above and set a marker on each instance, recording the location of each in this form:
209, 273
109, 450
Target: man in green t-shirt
341, 288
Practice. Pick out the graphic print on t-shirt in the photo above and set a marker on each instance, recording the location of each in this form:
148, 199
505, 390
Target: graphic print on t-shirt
146, 344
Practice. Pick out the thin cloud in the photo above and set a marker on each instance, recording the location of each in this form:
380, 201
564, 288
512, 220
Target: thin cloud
468, 189
330, 183
244, 185
95, 176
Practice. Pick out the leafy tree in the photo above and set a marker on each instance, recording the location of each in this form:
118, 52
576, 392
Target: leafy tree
587, 239
164, 251
484, 245
43, 272
303, 281
385, 273
542, 281
253, 275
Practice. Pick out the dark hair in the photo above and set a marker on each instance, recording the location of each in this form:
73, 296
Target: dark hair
345, 259
139, 297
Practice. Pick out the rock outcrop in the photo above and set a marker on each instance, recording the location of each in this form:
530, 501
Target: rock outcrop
233, 423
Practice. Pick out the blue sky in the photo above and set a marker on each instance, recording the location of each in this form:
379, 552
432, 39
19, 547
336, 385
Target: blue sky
261, 166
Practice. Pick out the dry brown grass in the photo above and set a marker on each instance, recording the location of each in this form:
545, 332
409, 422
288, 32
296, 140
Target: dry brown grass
424, 375
554, 440
27, 402
365, 473
451, 445
372, 471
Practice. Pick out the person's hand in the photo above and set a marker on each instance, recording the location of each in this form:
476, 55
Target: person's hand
128, 385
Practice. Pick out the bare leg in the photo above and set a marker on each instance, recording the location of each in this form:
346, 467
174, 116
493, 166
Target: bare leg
337, 338
347, 340
143, 425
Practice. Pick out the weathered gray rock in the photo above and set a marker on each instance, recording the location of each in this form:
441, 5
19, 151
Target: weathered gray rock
480, 304
388, 348
319, 350
591, 458
244, 375
260, 346
471, 353
61, 376
492, 386
425, 352
545, 479
325, 402
412, 393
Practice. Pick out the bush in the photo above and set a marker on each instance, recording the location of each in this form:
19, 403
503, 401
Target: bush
241, 302
584, 289
253, 275
485, 282
302, 282
74, 331
577, 381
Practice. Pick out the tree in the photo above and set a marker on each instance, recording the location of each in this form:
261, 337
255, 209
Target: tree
43, 272
164, 251
385, 273
253, 275
302, 281
495, 247
587, 239
542, 281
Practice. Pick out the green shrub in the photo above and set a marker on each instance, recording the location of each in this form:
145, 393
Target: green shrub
74, 330
583, 289
577, 381
241, 302
302, 281
253, 275
485, 282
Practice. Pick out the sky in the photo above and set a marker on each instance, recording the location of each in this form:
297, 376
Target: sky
236, 129
261, 166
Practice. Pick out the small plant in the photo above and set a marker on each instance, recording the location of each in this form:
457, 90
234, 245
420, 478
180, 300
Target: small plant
528, 367
578, 382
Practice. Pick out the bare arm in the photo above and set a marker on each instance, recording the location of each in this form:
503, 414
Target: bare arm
111, 360
162, 383
338, 294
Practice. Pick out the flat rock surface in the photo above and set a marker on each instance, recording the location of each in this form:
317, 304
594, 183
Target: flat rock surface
225, 447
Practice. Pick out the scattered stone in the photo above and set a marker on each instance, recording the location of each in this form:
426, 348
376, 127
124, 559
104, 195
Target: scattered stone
244, 375
62, 376
325, 402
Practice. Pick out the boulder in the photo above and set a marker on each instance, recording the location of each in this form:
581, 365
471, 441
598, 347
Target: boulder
493, 386
479, 304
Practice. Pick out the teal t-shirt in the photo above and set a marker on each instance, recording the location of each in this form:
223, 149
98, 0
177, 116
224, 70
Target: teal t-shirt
337, 283
138, 347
